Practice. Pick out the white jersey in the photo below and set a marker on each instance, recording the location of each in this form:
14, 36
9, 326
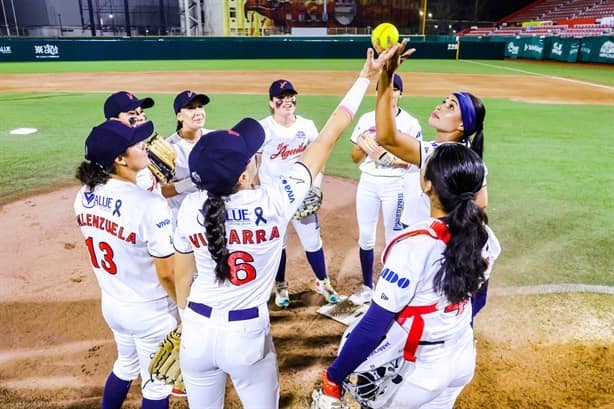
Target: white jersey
183, 148
410, 263
124, 228
256, 223
405, 123
283, 146
145, 179
417, 206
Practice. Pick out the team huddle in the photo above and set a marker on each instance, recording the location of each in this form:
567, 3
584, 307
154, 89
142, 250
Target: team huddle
187, 235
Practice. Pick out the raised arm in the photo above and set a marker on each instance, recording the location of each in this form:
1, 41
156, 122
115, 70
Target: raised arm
395, 142
318, 152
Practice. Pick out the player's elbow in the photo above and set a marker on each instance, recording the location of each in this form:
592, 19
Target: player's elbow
385, 137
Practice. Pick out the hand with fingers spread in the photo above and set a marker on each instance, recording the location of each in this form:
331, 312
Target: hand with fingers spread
373, 66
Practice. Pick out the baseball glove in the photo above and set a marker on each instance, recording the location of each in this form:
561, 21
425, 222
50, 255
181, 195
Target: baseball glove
311, 203
161, 158
164, 364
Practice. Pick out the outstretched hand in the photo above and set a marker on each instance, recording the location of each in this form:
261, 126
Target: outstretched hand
392, 61
373, 66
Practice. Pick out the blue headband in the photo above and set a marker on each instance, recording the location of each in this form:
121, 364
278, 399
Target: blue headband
467, 113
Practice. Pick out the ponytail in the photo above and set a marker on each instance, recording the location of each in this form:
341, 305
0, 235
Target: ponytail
477, 143
92, 174
457, 174
473, 113
214, 211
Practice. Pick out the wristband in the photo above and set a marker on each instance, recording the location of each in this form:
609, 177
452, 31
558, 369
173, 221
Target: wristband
351, 101
184, 185
181, 312
329, 387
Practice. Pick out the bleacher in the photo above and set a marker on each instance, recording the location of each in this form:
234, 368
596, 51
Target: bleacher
560, 18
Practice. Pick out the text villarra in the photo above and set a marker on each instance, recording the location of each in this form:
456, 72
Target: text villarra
99, 222
236, 236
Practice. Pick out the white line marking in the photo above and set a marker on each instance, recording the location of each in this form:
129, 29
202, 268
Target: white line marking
591, 84
552, 288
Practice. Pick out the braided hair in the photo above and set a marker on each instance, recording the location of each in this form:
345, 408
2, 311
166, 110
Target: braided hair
457, 173
214, 210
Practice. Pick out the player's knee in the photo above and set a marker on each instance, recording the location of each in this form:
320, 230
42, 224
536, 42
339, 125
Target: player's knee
127, 369
366, 243
154, 389
313, 244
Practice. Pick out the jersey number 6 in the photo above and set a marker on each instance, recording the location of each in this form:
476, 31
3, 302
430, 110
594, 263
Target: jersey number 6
107, 262
241, 272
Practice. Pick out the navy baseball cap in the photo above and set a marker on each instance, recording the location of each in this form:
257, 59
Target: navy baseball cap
185, 98
397, 82
111, 138
279, 87
218, 158
124, 101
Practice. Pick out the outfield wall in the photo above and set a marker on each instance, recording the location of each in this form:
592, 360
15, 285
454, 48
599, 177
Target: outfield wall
587, 49
41, 49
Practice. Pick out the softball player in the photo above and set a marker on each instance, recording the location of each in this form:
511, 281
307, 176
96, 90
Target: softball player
191, 117
381, 184
232, 232
128, 235
287, 137
125, 107
429, 272
459, 117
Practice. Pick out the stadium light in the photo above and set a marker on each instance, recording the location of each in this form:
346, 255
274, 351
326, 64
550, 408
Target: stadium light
423, 15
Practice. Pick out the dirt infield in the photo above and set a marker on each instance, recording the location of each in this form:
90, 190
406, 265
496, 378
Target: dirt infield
515, 87
534, 351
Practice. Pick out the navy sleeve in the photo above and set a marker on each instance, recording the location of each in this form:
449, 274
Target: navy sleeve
361, 342
478, 300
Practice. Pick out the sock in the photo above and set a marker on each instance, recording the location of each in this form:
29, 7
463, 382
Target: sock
317, 263
115, 391
154, 404
281, 271
366, 266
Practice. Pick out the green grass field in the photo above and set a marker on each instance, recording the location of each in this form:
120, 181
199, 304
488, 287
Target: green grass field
550, 173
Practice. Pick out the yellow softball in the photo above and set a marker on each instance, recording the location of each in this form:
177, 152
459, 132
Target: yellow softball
380, 35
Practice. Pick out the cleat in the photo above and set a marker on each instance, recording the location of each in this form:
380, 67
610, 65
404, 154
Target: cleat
282, 299
362, 296
325, 288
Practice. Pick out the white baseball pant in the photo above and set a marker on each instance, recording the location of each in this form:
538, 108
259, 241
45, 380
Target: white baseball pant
438, 376
214, 346
139, 328
373, 193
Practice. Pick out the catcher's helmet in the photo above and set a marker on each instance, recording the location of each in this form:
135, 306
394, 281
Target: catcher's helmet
375, 380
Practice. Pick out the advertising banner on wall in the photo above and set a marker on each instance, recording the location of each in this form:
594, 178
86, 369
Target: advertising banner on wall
564, 49
597, 49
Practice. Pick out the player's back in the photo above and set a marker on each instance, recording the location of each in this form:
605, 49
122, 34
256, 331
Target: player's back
256, 222
124, 226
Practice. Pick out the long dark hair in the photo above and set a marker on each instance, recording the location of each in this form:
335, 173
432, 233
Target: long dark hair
214, 211
457, 173
477, 143
93, 174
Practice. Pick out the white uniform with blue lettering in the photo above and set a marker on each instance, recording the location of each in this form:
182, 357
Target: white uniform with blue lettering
380, 185
282, 147
230, 332
125, 227
445, 355
417, 206
183, 147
